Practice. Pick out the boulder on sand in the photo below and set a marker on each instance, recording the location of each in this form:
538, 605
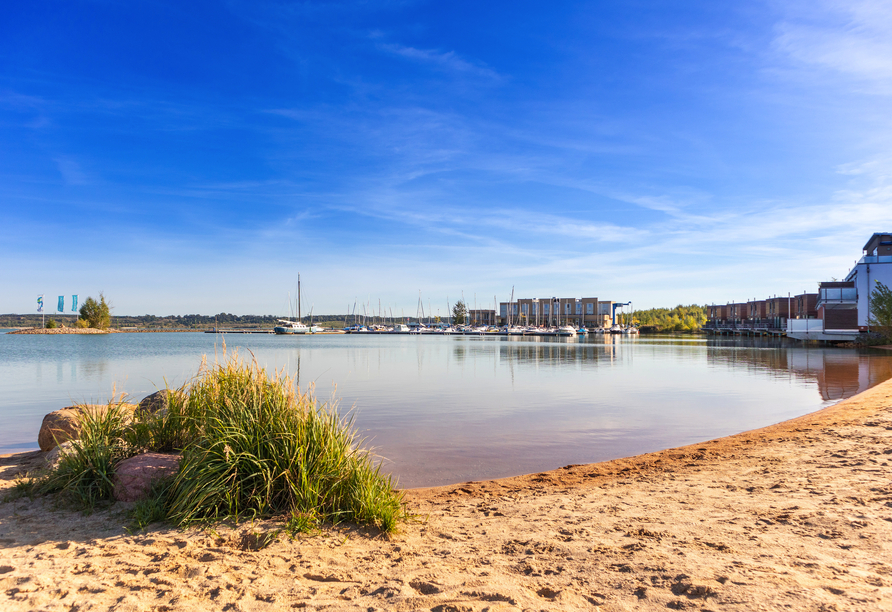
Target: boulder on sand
134, 476
159, 400
63, 425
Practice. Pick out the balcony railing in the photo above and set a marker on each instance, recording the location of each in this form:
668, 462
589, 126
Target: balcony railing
872, 259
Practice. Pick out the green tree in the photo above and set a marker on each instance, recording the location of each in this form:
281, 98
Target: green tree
96, 314
459, 313
51, 324
880, 317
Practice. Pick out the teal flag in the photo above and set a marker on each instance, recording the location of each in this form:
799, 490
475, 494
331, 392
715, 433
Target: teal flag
73, 303
39, 303
61, 306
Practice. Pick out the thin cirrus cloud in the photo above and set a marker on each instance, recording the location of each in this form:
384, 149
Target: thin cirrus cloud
851, 38
448, 60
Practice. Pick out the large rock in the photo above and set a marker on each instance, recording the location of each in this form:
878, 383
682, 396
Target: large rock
63, 425
55, 456
160, 400
134, 476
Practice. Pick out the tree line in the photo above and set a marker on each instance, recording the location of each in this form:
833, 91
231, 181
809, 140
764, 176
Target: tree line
679, 319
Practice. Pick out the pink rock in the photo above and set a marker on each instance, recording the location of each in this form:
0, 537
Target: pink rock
134, 476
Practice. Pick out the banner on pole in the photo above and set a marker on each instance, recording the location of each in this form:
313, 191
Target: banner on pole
40, 303
61, 305
73, 303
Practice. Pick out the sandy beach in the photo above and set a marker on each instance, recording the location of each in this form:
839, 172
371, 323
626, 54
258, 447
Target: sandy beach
796, 516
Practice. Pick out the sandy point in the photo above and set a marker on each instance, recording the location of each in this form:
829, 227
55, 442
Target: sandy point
796, 516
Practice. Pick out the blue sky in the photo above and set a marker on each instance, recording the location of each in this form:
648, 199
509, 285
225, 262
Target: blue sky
193, 158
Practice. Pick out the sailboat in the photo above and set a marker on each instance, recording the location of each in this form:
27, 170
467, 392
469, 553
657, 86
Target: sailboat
287, 326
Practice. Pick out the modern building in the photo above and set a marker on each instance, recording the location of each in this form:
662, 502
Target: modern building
482, 317
805, 306
843, 308
873, 267
590, 312
768, 316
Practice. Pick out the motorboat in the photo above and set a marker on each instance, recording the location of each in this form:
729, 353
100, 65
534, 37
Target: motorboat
566, 330
400, 329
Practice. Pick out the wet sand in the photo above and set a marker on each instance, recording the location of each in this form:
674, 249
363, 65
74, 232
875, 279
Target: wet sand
796, 516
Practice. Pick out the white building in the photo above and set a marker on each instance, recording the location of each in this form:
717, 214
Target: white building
875, 266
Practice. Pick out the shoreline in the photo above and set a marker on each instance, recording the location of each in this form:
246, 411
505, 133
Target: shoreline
793, 515
37, 331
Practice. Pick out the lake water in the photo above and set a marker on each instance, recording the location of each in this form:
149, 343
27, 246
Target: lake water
455, 408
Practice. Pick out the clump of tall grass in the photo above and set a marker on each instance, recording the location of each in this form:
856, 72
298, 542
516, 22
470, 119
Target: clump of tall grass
85, 471
262, 448
253, 446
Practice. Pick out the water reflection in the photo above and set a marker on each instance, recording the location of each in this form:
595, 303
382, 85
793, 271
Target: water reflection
839, 373
448, 409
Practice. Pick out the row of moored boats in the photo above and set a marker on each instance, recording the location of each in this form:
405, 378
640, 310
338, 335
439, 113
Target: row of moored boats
287, 326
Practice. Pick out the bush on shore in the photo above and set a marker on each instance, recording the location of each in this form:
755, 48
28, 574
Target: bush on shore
253, 446
880, 316
95, 314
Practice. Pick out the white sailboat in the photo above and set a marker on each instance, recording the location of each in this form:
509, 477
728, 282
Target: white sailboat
287, 326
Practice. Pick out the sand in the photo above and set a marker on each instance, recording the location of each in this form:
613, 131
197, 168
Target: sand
797, 516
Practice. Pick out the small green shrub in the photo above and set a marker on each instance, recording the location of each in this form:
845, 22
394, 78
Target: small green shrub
51, 324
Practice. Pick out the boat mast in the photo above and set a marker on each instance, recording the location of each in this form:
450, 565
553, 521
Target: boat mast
298, 297
510, 300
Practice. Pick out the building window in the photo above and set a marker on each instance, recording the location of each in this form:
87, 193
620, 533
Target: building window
525, 308
590, 308
578, 308
567, 308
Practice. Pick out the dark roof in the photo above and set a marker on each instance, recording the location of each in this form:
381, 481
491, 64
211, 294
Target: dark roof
867, 244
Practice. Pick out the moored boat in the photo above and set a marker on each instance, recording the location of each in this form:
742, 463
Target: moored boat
288, 326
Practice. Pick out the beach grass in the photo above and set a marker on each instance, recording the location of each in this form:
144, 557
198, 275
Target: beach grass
253, 446
85, 473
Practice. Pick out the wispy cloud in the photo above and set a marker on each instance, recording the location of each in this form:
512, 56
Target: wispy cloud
849, 38
447, 60
71, 171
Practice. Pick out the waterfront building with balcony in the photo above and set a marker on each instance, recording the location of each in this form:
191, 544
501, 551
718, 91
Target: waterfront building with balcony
836, 315
843, 308
589, 312
874, 266
805, 306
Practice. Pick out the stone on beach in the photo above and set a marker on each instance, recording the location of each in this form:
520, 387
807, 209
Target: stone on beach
63, 425
55, 456
160, 400
134, 476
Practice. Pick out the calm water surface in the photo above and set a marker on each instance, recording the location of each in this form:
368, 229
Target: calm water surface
455, 408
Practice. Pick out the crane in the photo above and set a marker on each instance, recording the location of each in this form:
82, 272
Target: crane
615, 306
